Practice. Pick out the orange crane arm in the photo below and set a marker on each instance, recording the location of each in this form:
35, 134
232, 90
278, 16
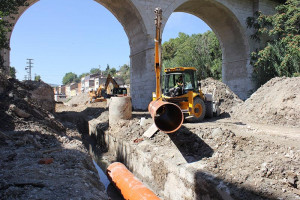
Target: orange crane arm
110, 79
157, 50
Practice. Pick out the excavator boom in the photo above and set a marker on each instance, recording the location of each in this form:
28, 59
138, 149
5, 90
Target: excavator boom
157, 65
167, 116
109, 79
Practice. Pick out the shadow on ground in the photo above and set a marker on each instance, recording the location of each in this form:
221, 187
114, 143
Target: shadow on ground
190, 145
210, 187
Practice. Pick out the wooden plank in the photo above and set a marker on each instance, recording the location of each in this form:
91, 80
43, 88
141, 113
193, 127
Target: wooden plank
151, 131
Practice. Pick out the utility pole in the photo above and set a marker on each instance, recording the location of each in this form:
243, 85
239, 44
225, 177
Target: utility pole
28, 68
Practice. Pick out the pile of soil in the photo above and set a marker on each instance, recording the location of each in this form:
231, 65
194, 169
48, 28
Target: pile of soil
42, 94
276, 102
80, 99
41, 158
221, 93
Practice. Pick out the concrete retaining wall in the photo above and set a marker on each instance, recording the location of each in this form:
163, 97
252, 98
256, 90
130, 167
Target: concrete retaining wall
167, 174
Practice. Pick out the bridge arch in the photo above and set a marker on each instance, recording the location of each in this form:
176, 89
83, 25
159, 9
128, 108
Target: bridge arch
236, 68
125, 12
130, 18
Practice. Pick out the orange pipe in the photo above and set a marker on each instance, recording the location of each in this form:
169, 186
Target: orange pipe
167, 116
129, 186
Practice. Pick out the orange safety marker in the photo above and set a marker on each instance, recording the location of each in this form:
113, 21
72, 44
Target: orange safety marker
129, 186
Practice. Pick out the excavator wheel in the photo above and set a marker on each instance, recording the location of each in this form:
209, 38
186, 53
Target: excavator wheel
209, 109
199, 111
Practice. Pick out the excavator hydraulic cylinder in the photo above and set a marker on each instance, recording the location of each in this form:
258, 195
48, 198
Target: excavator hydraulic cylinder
129, 186
167, 116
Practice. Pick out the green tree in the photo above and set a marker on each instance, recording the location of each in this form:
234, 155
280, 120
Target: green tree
125, 73
201, 51
95, 71
69, 78
7, 9
113, 71
37, 78
279, 54
107, 68
82, 75
12, 72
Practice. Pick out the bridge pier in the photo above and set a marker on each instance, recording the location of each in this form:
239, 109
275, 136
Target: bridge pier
142, 78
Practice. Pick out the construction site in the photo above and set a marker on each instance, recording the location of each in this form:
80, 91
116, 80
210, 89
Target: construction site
250, 151
197, 140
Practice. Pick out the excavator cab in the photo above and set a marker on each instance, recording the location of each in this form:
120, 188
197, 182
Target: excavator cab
178, 81
181, 88
119, 92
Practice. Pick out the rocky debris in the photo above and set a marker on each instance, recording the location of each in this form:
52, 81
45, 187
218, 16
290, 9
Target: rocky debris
251, 163
17, 104
42, 94
19, 112
221, 94
40, 157
276, 102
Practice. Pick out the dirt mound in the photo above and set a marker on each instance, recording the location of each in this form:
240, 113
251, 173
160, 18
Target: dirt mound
80, 99
276, 102
41, 158
19, 103
222, 94
42, 94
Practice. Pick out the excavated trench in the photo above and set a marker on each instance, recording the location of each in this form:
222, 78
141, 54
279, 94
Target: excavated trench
207, 161
153, 165
95, 147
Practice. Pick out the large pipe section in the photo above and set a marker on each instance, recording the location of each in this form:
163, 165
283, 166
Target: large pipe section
167, 116
129, 186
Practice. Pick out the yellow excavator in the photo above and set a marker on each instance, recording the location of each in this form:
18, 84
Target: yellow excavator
101, 93
180, 86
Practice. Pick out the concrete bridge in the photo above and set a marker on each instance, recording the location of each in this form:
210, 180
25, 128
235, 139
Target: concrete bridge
227, 18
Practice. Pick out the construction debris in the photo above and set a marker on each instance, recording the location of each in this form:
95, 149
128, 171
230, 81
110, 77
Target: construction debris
30, 135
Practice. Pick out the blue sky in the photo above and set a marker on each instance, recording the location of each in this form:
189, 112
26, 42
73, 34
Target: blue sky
74, 36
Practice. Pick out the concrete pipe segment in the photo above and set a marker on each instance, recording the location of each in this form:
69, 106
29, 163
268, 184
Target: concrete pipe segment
167, 116
129, 186
119, 108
